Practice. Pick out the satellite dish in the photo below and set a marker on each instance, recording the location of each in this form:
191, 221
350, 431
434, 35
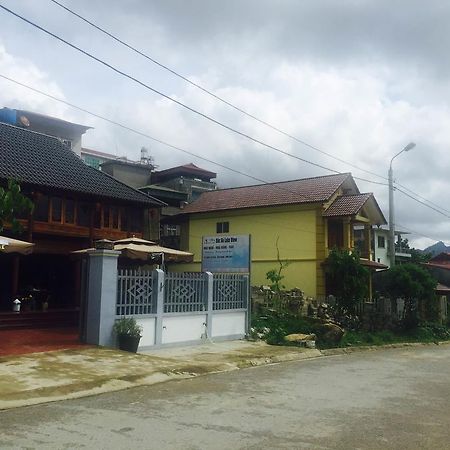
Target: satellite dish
24, 121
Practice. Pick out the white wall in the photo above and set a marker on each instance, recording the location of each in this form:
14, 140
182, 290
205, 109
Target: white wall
228, 324
148, 334
183, 328
381, 254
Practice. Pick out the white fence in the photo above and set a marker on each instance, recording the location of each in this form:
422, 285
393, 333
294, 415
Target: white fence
184, 307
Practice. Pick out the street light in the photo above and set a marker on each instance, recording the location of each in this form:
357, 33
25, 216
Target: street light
409, 147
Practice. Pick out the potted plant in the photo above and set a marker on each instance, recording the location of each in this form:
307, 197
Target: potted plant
128, 334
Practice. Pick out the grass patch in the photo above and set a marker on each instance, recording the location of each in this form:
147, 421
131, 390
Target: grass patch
273, 326
423, 333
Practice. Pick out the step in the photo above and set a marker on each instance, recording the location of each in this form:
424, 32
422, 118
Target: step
39, 319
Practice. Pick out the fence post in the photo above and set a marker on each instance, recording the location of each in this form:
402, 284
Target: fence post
248, 310
101, 297
158, 289
209, 302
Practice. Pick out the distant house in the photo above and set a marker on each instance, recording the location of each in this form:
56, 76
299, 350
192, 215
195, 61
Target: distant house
74, 205
300, 220
439, 266
176, 187
95, 158
69, 133
380, 245
189, 178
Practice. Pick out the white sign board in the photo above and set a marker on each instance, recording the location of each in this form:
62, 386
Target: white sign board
226, 253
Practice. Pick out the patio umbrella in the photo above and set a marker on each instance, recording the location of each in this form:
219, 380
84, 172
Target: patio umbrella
134, 240
145, 252
9, 245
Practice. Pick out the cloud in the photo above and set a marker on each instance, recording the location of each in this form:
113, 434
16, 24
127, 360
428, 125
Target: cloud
358, 79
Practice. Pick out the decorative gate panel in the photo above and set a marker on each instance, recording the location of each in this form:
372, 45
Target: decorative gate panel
136, 292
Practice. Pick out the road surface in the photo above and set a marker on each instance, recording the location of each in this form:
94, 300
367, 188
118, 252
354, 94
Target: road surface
387, 399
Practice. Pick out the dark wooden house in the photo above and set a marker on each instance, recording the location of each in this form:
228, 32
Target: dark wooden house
74, 205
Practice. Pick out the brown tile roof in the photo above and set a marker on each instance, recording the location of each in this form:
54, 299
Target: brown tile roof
347, 205
442, 258
372, 264
307, 190
442, 265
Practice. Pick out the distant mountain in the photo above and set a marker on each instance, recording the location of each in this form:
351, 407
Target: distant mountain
437, 248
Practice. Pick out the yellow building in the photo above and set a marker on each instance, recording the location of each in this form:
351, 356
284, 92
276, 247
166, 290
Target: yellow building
294, 221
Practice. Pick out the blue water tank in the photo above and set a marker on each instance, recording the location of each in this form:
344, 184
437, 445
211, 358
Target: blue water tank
8, 115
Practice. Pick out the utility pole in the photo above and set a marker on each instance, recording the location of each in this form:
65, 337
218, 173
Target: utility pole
391, 248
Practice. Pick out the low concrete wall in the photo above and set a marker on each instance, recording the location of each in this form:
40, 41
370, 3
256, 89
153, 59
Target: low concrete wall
228, 324
148, 325
184, 328
187, 328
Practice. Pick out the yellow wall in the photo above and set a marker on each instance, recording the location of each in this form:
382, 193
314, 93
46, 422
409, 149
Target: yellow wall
301, 238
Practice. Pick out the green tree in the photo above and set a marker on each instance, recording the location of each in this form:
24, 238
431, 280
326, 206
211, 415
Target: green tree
417, 256
347, 278
415, 285
13, 204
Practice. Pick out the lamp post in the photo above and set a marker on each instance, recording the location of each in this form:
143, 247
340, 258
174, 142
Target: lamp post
410, 146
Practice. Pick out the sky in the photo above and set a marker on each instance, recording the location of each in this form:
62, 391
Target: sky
356, 79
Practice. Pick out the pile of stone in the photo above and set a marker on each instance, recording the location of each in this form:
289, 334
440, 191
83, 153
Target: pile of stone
302, 340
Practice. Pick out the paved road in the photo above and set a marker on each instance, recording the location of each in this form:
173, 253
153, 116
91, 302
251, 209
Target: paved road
389, 399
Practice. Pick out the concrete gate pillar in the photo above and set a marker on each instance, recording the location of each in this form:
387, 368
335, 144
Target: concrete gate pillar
101, 297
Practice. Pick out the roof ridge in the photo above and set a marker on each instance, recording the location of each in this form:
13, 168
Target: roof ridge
281, 182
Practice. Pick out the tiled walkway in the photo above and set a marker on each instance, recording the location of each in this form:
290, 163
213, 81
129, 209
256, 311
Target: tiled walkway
21, 341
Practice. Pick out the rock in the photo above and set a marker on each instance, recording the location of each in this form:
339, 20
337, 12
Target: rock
330, 332
299, 338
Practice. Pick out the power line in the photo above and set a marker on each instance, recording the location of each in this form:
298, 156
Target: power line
207, 91
132, 130
183, 105
422, 197
419, 234
423, 203
113, 122
277, 186
140, 133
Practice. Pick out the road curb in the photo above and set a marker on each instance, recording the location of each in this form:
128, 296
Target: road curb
368, 348
167, 371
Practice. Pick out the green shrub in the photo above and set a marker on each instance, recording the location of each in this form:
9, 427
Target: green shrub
127, 326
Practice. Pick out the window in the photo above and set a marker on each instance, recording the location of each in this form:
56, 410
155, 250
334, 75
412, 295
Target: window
124, 213
136, 222
106, 211
41, 208
98, 216
56, 209
83, 214
69, 213
381, 242
92, 161
222, 227
171, 230
115, 217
